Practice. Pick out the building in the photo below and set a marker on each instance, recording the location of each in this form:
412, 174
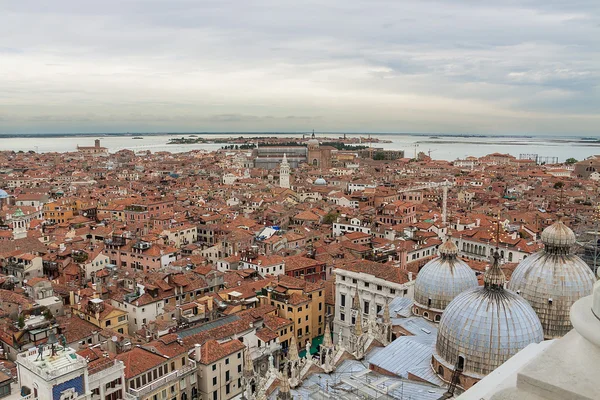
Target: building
150, 374
220, 365
376, 285
284, 173
553, 279
551, 370
53, 372
440, 281
101, 314
302, 303
105, 374
94, 151
481, 329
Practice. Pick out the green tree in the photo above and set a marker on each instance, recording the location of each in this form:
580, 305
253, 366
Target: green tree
330, 218
380, 155
21, 322
559, 185
571, 161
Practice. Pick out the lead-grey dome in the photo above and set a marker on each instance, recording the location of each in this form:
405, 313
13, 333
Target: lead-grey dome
485, 326
3, 194
442, 279
320, 182
553, 279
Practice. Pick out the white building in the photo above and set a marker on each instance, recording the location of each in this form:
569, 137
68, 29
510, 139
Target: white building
272, 265
376, 283
343, 225
51, 372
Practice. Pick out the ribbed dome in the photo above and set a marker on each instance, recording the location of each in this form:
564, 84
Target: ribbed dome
486, 326
442, 279
320, 182
553, 279
3, 194
558, 235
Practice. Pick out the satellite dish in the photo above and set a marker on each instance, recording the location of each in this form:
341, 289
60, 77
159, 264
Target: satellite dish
114, 339
85, 214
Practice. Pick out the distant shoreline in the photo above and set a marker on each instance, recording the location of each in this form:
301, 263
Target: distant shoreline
431, 135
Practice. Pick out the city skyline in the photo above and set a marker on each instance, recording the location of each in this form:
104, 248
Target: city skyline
461, 67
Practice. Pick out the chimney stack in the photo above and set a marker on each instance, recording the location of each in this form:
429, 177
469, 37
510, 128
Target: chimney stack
197, 354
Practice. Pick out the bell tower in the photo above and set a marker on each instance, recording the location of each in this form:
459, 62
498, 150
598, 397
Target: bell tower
284, 173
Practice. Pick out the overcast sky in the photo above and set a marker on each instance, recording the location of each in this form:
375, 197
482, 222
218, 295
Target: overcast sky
276, 65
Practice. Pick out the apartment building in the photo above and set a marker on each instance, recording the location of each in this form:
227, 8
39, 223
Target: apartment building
220, 366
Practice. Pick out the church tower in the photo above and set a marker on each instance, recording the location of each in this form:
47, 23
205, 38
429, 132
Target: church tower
284, 173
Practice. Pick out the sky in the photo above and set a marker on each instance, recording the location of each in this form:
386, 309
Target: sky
460, 66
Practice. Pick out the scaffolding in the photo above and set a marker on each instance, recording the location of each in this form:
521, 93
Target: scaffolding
538, 159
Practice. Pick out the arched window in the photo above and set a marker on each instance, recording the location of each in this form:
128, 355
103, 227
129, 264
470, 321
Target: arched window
437, 318
416, 311
510, 256
441, 371
461, 363
315, 162
426, 315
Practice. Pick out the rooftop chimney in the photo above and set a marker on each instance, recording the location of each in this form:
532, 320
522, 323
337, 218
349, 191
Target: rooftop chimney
197, 353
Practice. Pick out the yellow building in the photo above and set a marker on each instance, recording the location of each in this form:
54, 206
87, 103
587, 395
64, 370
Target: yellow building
101, 314
57, 213
301, 302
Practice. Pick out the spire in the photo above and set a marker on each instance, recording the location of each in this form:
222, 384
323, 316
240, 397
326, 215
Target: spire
327, 343
248, 367
494, 278
284, 161
358, 330
293, 350
356, 300
284, 386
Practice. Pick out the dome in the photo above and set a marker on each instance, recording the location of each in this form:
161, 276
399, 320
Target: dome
3, 194
485, 326
553, 279
558, 235
442, 279
320, 182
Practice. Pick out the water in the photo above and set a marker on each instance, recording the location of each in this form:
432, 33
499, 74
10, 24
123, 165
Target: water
441, 147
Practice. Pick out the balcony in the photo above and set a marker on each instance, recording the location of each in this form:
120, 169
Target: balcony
163, 380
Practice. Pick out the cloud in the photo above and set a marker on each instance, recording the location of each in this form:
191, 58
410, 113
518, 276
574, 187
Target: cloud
381, 65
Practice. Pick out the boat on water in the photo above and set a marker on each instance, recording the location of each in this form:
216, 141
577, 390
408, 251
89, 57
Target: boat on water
137, 137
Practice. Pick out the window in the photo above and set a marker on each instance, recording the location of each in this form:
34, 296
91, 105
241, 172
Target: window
122, 318
426, 315
320, 306
392, 291
353, 320
215, 395
108, 323
300, 332
214, 367
379, 308
227, 361
239, 355
214, 380
240, 368
306, 318
366, 284
379, 287
226, 376
354, 281
437, 318
227, 389
343, 300
366, 307
342, 317
343, 278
